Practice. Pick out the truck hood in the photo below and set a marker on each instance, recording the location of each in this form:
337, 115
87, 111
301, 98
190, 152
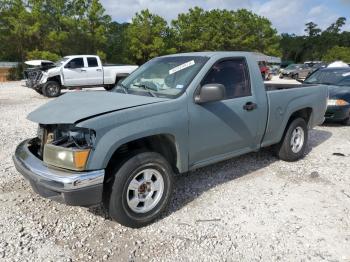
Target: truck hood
72, 107
38, 62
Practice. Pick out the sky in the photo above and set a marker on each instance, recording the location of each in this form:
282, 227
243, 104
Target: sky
287, 16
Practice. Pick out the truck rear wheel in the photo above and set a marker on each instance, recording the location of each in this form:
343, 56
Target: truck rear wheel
109, 87
141, 189
293, 144
51, 89
117, 79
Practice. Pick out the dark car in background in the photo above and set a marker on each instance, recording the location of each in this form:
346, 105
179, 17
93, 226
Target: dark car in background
338, 82
296, 71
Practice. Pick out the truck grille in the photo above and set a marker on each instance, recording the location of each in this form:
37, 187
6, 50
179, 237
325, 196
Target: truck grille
32, 77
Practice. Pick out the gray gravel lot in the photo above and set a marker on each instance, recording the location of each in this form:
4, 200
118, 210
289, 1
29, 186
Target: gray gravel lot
254, 207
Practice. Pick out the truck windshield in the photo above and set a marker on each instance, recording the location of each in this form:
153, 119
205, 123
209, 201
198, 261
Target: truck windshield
61, 61
163, 76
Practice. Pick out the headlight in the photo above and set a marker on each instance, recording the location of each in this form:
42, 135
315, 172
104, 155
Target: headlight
69, 147
337, 102
44, 77
69, 158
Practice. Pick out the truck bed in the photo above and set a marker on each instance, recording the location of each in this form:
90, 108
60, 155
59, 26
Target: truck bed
284, 99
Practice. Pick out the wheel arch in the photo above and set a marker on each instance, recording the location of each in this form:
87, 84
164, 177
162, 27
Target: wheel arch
55, 78
164, 144
304, 113
120, 76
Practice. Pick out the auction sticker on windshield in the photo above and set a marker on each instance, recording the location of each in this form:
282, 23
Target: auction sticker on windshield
181, 67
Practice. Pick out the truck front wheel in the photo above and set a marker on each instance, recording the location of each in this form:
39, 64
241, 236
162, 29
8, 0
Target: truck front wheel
141, 189
51, 89
293, 144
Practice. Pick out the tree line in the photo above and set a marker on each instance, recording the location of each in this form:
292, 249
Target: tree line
327, 45
53, 28
49, 29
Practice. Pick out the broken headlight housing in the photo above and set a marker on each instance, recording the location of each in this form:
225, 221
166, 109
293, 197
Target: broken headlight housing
68, 147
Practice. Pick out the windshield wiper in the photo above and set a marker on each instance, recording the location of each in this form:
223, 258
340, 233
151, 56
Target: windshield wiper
318, 83
326, 83
122, 87
147, 88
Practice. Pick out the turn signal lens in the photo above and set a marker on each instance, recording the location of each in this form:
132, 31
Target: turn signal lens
68, 158
80, 158
341, 102
337, 102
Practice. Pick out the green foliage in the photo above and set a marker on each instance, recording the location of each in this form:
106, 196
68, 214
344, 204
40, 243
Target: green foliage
200, 30
338, 53
44, 55
102, 55
42, 29
147, 37
56, 26
316, 44
117, 45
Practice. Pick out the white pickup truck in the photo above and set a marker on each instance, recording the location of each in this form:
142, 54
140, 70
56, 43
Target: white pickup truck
49, 78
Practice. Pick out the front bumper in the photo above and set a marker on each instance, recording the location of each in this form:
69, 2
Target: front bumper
36, 85
69, 187
337, 113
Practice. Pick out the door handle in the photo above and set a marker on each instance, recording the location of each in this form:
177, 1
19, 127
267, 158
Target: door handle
82, 70
99, 70
249, 106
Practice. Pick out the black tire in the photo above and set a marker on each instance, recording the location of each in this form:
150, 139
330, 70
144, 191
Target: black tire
296, 76
51, 89
109, 87
284, 150
281, 76
346, 122
118, 192
39, 91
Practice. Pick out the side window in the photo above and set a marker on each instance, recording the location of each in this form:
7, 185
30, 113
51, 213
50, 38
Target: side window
76, 63
233, 74
92, 62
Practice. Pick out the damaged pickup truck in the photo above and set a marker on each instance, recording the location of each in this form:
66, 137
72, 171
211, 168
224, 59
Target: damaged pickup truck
50, 78
174, 114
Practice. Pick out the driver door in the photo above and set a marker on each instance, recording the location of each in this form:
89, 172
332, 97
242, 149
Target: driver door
223, 129
74, 73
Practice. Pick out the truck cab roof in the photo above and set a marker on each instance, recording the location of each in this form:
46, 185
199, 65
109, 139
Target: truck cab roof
213, 54
77, 56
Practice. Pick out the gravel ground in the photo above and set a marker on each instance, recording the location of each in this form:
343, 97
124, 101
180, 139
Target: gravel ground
254, 207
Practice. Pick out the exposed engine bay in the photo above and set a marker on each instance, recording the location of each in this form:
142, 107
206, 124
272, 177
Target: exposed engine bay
34, 73
66, 136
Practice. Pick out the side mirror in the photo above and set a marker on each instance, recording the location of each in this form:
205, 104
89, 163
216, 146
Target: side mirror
210, 93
